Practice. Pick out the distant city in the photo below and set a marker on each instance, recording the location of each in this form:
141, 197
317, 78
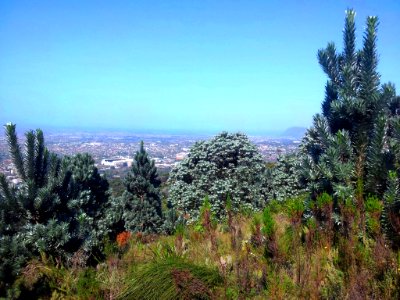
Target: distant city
113, 152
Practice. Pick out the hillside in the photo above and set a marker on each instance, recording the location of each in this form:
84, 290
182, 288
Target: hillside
294, 132
321, 223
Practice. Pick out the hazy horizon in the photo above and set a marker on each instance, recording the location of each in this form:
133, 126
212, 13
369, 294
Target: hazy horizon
21, 129
176, 66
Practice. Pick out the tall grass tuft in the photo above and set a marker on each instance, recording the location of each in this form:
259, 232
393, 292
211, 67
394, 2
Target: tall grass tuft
172, 278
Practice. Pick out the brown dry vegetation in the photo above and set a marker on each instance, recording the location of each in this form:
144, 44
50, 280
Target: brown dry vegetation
235, 259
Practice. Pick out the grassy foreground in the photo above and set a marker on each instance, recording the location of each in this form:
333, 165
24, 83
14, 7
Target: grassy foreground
269, 255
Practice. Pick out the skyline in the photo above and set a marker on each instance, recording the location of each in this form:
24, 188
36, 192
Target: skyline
202, 66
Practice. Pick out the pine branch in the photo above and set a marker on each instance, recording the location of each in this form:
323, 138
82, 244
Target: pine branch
369, 74
5, 189
391, 197
375, 165
30, 155
331, 95
349, 38
15, 151
39, 153
329, 61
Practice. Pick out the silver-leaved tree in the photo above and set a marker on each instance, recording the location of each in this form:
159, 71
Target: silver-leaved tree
227, 165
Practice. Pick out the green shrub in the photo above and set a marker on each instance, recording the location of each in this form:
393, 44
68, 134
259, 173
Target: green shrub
275, 206
323, 200
373, 205
295, 208
256, 232
87, 286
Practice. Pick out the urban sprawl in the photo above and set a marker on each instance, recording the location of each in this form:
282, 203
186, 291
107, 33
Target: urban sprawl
113, 152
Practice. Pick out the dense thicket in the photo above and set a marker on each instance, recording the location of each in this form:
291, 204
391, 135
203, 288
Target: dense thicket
58, 209
227, 165
284, 180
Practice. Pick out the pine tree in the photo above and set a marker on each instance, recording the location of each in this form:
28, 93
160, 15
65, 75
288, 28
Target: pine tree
59, 208
88, 204
142, 200
353, 148
349, 141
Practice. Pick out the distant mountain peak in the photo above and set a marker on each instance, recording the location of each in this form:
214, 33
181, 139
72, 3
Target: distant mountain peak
294, 132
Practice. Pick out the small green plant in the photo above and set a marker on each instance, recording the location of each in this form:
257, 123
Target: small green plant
268, 230
228, 205
323, 200
110, 247
208, 222
373, 205
180, 231
275, 206
373, 209
87, 286
269, 225
232, 293
311, 224
295, 208
229, 212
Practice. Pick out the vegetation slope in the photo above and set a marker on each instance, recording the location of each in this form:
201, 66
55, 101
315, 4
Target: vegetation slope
321, 224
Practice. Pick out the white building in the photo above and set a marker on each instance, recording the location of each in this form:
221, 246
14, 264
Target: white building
117, 162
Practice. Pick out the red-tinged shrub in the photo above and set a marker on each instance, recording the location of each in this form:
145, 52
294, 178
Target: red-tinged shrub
123, 238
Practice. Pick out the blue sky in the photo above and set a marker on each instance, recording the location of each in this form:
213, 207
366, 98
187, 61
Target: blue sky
176, 65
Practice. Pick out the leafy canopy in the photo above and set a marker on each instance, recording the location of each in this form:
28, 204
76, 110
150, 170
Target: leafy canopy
227, 165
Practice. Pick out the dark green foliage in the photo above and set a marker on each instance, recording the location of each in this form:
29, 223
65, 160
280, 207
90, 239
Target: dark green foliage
331, 167
58, 208
322, 210
353, 149
172, 278
13, 256
89, 202
117, 186
11, 209
87, 286
142, 200
15, 151
352, 141
228, 164
171, 219
391, 210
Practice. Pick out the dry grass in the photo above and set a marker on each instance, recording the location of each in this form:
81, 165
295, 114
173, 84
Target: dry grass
304, 265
